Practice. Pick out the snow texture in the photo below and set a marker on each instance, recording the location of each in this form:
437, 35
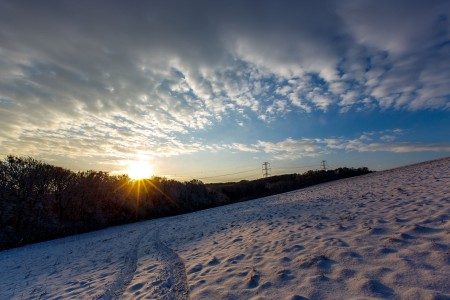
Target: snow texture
381, 236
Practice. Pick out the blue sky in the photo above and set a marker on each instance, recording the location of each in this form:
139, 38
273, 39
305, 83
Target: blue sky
201, 89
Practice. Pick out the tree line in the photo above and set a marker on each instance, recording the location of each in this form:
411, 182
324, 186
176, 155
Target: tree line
247, 190
39, 201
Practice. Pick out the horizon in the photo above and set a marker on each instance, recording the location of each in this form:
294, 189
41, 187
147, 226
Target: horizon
214, 179
199, 89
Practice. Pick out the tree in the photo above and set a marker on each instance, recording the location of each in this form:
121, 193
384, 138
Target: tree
62, 186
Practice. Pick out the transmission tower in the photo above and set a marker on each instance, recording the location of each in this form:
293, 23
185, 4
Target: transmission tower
266, 169
324, 165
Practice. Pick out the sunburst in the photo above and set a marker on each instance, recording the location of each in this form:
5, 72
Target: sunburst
140, 169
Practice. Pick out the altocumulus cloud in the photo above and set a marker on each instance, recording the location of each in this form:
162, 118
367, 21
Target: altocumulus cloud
292, 149
85, 78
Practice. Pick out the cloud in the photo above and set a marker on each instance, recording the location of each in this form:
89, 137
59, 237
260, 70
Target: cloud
401, 61
376, 23
110, 76
387, 138
243, 148
292, 149
404, 147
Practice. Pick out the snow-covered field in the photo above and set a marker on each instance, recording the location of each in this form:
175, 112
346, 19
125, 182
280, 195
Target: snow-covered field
383, 235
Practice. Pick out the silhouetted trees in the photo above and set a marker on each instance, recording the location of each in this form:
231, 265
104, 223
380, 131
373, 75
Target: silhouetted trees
245, 190
39, 201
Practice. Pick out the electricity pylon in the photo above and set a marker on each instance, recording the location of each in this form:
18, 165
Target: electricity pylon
324, 165
266, 169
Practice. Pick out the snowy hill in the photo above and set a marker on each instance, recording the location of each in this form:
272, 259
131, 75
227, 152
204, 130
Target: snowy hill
383, 235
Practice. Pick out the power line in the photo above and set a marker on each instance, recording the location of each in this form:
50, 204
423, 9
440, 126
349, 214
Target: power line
266, 171
295, 167
250, 177
211, 172
215, 176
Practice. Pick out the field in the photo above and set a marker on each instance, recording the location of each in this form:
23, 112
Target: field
384, 235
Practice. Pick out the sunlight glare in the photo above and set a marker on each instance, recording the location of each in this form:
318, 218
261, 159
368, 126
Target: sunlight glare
138, 170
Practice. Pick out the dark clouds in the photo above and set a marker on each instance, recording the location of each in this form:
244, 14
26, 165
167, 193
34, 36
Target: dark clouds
400, 27
168, 68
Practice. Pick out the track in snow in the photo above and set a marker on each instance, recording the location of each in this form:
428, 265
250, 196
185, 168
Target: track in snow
167, 280
171, 281
118, 287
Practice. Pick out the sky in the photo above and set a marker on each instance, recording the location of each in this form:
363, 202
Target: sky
213, 89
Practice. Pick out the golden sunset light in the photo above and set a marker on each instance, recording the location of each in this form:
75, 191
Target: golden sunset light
225, 149
140, 169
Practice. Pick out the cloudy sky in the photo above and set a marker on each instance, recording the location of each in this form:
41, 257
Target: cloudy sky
208, 88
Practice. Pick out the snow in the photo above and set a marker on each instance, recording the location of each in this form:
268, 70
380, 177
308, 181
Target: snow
383, 235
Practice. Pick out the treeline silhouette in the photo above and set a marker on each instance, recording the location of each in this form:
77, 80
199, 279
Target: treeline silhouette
247, 190
39, 201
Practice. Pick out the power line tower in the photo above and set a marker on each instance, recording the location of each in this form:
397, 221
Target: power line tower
324, 165
266, 169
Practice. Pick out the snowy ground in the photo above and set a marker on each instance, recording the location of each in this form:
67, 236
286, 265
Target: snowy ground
384, 235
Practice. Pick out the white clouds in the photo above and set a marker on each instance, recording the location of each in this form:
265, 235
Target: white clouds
296, 101
349, 98
322, 101
278, 106
292, 149
73, 68
243, 148
387, 138
213, 45
403, 45
404, 148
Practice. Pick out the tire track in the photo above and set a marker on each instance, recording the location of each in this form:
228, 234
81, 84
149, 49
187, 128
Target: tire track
118, 287
167, 279
172, 279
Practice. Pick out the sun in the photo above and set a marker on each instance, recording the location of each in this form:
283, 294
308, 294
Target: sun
140, 169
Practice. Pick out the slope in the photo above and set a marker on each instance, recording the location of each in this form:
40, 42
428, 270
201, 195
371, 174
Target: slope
383, 235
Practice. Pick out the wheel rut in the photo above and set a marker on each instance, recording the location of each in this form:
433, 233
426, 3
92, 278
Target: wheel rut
171, 281
152, 270
118, 287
